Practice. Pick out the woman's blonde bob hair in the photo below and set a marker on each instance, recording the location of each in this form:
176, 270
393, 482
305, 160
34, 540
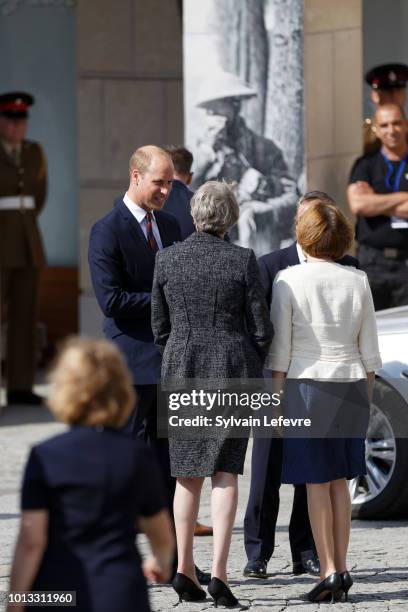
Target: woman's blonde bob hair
91, 385
214, 208
322, 230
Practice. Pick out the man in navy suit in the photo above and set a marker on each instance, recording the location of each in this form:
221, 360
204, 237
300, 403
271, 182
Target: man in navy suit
178, 202
122, 250
263, 503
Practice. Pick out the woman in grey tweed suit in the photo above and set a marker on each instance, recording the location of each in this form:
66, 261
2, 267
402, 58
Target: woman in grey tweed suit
209, 314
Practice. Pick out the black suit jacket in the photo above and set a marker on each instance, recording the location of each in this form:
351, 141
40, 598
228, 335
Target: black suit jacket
178, 204
122, 265
271, 264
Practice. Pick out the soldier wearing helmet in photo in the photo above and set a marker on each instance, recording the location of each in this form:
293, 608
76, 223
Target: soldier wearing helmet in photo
231, 151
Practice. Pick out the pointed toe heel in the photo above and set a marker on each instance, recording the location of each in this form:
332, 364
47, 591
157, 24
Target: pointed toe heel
222, 595
326, 589
186, 589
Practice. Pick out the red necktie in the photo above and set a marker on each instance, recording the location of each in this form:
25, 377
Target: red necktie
149, 233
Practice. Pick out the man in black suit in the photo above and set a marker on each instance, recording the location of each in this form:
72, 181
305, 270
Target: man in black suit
263, 503
178, 202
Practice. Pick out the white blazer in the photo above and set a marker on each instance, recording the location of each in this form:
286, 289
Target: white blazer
324, 321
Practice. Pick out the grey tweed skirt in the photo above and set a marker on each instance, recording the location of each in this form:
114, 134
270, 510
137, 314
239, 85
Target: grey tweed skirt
205, 457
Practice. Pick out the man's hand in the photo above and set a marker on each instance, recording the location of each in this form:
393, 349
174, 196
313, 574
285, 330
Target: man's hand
364, 201
362, 188
401, 210
288, 184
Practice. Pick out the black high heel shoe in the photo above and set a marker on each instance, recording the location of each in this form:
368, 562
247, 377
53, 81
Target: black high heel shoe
186, 589
222, 595
346, 583
326, 589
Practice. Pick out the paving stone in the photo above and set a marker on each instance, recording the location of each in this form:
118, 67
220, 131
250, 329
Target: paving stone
378, 557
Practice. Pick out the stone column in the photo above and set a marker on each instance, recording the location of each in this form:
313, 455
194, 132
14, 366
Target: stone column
333, 93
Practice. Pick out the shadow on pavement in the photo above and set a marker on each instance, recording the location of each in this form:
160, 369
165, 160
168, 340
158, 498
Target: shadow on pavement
375, 596
25, 415
383, 524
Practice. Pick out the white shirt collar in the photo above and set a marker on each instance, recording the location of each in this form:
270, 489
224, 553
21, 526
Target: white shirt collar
138, 212
301, 255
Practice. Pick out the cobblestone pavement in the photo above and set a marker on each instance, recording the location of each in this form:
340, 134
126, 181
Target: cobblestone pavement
378, 551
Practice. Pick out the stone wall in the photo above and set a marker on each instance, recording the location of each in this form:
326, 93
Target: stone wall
333, 93
129, 94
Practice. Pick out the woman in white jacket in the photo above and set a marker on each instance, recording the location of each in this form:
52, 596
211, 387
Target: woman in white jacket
326, 345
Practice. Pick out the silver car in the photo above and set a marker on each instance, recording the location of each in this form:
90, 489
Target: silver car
383, 492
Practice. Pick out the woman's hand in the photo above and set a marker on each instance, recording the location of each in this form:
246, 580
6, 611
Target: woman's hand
159, 531
370, 385
30, 547
155, 572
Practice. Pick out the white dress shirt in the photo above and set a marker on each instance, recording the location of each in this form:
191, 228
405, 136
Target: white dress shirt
140, 216
324, 321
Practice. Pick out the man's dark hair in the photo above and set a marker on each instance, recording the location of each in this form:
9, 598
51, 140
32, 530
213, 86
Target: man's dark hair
323, 197
182, 159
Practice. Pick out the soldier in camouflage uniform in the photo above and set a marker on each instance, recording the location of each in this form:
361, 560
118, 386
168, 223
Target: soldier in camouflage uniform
22, 197
231, 151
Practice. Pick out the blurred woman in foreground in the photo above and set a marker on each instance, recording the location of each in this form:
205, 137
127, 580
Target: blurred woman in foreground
87, 491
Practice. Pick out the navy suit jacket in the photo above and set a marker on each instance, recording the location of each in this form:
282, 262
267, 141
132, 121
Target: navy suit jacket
178, 204
271, 264
122, 265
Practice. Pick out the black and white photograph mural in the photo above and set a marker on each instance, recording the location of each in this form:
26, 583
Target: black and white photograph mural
243, 88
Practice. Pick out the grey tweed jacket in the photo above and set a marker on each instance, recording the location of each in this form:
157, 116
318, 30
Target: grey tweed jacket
209, 312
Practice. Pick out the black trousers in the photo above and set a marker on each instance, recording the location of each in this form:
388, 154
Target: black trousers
19, 302
263, 505
143, 424
388, 278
